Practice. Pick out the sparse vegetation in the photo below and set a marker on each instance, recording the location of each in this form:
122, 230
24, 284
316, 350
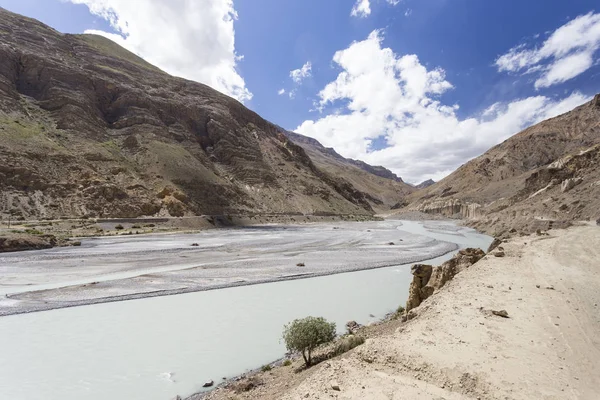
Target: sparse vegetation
305, 335
287, 363
136, 226
119, 227
347, 343
266, 368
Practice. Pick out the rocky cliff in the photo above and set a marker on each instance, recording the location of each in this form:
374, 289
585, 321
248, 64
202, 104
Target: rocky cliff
90, 129
547, 175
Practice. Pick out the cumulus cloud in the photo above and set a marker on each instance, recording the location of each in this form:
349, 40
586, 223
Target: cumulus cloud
568, 52
361, 9
281, 91
298, 75
190, 39
379, 94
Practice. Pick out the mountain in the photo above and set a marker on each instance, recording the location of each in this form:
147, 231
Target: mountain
546, 175
89, 129
383, 187
425, 184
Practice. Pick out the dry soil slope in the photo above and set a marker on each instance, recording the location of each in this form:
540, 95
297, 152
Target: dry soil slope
88, 128
496, 188
383, 188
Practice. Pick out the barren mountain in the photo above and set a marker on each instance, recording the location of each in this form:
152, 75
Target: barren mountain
425, 184
546, 174
383, 188
90, 129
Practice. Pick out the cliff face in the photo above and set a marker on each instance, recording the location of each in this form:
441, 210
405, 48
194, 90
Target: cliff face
87, 128
547, 174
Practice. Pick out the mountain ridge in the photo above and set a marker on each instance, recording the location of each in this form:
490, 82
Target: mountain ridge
90, 129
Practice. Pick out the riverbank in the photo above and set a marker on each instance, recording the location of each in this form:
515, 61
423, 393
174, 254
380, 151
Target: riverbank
45, 234
105, 270
455, 348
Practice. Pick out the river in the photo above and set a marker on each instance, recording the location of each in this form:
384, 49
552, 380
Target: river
156, 348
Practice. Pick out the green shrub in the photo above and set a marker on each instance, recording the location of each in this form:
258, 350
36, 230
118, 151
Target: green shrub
266, 368
400, 310
305, 335
287, 363
136, 227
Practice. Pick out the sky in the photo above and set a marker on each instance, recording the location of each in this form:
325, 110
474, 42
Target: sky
418, 86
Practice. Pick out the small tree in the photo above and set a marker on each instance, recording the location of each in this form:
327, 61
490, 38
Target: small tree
305, 335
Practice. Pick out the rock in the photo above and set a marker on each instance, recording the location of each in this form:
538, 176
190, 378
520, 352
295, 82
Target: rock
550, 287
391, 243
352, 327
300, 265
501, 313
569, 184
494, 244
335, 386
421, 274
195, 244
499, 254
208, 384
537, 286
427, 279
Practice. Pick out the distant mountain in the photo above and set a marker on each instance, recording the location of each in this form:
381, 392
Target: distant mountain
542, 176
384, 188
425, 184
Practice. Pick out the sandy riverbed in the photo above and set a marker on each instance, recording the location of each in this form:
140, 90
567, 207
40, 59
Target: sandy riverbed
549, 348
114, 269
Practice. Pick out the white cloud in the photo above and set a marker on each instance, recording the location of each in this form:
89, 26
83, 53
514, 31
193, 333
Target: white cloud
191, 39
408, 12
281, 91
361, 9
298, 75
567, 53
383, 94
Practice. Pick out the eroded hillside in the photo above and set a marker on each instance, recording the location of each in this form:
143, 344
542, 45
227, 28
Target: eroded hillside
544, 176
89, 129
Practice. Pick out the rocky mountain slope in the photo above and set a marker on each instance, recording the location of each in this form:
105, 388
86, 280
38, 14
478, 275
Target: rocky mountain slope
384, 188
544, 175
425, 184
90, 129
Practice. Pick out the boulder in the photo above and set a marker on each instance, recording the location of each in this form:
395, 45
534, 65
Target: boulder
208, 383
353, 327
569, 184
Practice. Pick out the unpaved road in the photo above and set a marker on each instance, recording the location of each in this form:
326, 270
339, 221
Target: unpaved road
454, 349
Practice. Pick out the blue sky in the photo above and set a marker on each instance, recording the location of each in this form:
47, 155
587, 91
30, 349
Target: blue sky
419, 86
